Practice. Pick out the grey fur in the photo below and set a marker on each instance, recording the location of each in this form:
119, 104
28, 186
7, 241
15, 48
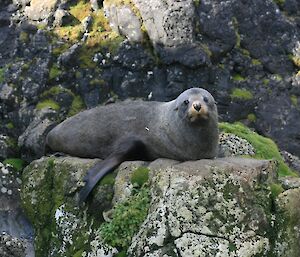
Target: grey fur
162, 126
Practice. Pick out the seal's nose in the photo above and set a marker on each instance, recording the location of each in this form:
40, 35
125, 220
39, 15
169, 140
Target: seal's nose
197, 106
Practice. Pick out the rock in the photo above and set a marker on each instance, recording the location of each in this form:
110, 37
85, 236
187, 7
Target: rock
86, 23
6, 92
52, 184
11, 247
61, 18
124, 21
232, 145
200, 208
32, 141
208, 207
290, 182
288, 206
8, 147
40, 10
69, 56
94, 5
291, 160
16, 231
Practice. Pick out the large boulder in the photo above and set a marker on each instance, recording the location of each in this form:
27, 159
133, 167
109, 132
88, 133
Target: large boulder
207, 207
40, 10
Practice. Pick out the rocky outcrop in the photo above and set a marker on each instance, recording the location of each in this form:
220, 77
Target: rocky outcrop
222, 46
206, 207
16, 238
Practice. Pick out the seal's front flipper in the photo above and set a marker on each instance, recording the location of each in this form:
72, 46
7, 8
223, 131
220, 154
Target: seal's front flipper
95, 174
128, 149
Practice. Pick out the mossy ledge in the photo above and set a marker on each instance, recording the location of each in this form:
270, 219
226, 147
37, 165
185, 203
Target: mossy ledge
265, 147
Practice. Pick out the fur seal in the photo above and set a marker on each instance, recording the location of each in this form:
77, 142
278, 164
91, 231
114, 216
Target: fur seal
183, 129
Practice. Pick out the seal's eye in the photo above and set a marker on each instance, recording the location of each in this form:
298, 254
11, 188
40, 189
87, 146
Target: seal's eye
205, 99
186, 102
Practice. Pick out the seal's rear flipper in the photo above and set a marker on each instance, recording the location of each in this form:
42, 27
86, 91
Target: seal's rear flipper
128, 149
96, 173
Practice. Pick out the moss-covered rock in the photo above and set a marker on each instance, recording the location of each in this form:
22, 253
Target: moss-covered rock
49, 199
287, 242
265, 148
207, 206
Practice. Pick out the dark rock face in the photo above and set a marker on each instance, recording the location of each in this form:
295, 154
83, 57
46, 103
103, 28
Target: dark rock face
240, 51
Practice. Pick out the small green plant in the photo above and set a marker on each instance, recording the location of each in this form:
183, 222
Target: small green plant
77, 105
1, 75
256, 62
294, 100
279, 2
140, 176
109, 179
277, 77
126, 220
238, 78
276, 189
48, 103
251, 117
241, 94
17, 164
54, 72
24, 37
265, 148
10, 125
54, 91
266, 82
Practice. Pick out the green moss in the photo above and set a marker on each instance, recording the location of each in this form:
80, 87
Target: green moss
71, 33
140, 176
86, 55
78, 254
24, 37
277, 77
121, 254
17, 164
241, 94
12, 143
294, 100
256, 62
54, 91
81, 10
54, 72
265, 148
276, 189
279, 2
1, 75
245, 52
26, 66
48, 103
266, 82
238, 78
251, 117
60, 49
197, 3
10, 125
206, 49
109, 179
97, 82
76, 106
127, 217
296, 60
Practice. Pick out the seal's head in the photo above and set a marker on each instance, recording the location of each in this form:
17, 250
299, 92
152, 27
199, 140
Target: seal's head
196, 105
